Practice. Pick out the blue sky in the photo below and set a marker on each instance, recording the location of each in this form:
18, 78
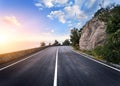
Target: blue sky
44, 20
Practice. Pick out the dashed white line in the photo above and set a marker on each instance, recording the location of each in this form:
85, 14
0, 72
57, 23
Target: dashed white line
55, 74
98, 62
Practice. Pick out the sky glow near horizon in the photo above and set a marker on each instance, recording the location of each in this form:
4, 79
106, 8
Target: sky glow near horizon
33, 21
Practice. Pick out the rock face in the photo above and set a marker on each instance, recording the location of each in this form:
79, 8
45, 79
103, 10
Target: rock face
93, 34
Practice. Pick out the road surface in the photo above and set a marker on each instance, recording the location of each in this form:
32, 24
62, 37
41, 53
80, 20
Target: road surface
58, 66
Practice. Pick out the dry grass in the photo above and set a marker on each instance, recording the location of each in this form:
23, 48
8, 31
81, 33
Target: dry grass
19, 54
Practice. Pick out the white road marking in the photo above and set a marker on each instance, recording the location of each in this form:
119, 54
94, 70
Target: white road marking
99, 62
18, 61
55, 74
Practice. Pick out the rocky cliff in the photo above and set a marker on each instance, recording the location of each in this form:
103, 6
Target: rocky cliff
93, 34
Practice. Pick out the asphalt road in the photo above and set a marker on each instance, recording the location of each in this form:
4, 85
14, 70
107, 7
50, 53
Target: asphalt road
72, 70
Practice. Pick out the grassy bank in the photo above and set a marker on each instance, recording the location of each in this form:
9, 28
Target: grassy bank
91, 53
19, 54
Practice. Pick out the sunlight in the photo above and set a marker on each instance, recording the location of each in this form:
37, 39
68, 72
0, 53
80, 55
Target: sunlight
3, 39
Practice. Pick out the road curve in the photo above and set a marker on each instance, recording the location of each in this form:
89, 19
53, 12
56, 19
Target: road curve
72, 70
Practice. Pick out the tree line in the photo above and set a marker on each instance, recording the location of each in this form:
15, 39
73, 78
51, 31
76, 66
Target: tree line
57, 43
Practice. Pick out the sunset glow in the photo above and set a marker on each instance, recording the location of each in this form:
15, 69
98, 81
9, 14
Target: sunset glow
3, 39
27, 22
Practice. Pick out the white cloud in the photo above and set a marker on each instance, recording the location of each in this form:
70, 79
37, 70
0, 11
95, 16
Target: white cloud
57, 14
69, 10
12, 20
61, 1
61, 19
50, 16
50, 3
74, 12
79, 24
38, 4
68, 13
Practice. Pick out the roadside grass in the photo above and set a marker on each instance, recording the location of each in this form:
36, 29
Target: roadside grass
89, 53
92, 54
4, 58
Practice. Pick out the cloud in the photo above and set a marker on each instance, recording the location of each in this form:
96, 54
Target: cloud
61, 1
39, 5
68, 10
12, 20
57, 14
50, 3
44, 3
68, 13
78, 24
74, 12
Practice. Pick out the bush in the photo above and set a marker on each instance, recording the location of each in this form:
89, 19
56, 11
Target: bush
98, 51
75, 36
110, 51
56, 43
42, 44
66, 42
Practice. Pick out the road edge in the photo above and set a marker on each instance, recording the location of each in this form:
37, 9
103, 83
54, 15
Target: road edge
95, 60
21, 60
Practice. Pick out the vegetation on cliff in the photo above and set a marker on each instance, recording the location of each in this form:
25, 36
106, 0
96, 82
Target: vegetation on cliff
111, 49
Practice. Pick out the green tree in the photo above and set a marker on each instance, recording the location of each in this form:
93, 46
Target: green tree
56, 43
113, 31
113, 20
42, 44
75, 36
66, 42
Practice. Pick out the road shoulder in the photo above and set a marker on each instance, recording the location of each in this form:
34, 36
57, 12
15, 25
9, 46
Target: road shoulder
103, 62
